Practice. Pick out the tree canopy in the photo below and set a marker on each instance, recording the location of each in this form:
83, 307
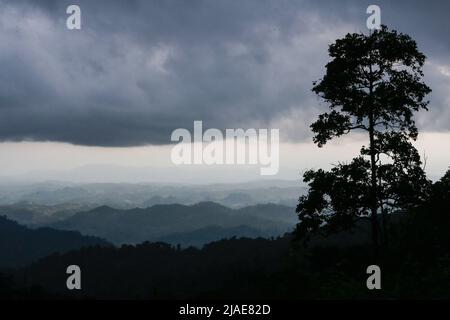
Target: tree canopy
372, 84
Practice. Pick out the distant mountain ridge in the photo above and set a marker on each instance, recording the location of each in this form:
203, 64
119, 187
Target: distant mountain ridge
169, 221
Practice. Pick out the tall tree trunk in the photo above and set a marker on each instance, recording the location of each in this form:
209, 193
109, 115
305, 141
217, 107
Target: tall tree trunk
384, 221
374, 206
373, 167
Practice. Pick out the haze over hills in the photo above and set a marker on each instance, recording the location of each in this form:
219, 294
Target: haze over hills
35, 215
137, 212
166, 174
192, 224
130, 195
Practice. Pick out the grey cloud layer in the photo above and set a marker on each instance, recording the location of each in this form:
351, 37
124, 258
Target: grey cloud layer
139, 69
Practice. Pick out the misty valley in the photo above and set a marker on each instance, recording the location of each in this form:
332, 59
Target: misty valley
88, 213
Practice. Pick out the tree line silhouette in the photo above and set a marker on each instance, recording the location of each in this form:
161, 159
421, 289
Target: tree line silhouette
373, 84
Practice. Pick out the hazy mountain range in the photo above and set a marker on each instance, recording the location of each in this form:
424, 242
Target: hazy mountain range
77, 214
175, 224
187, 224
76, 196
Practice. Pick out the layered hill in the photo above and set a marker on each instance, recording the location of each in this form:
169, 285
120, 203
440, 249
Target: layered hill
20, 245
174, 221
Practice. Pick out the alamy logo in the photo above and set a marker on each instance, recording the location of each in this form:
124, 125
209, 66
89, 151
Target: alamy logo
73, 21
374, 280
374, 20
238, 146
74, 280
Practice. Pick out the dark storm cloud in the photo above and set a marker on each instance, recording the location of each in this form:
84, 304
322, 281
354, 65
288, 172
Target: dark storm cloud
139, 69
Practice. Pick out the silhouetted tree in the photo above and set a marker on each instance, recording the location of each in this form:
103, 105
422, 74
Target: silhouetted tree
373, 84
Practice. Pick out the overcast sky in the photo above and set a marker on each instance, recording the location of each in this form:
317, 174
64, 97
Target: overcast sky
137, 70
